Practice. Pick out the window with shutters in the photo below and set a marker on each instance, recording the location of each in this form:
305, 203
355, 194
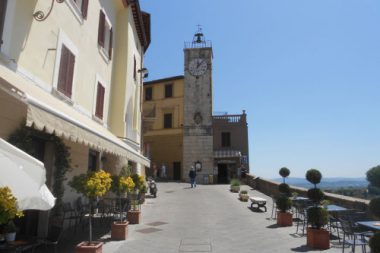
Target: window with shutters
79, 8
168, 90
66, 72
82, 6
134, 68
226, 139
99, 101
148, 93
168, 120
105, 35
3, 7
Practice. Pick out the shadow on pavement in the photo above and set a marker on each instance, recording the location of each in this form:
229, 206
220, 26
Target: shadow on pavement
255, 209
303, 248
273, 226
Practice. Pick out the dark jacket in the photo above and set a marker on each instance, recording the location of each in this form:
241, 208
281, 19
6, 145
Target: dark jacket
192, 174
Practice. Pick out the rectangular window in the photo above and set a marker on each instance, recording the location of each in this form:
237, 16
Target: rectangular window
82, 6
99, 101
148, 93
105, 35
169, 90
3, 7
92, 160
134, 68
168, 120
66, 72
226, 139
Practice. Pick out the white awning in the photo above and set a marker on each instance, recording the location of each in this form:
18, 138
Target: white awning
227, 153
25, 176
49, 114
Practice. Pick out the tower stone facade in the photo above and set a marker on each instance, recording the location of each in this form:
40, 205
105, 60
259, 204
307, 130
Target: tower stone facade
198, 99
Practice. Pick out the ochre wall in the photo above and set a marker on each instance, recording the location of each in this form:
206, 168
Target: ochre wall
165, 149
166, 105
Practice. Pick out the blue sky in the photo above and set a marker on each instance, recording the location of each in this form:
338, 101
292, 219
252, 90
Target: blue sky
306, 72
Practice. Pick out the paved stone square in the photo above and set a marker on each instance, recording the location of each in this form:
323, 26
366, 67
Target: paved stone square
208, 218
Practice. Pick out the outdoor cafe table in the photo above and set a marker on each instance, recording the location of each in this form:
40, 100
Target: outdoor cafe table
335, 208
373, 225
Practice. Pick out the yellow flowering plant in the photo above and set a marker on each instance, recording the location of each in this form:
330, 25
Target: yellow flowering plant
139, 181
92, 185
8, 206
121, 184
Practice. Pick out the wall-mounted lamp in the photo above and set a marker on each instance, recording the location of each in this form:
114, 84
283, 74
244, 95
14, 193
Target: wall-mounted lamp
198, 166
144, 72
41, 16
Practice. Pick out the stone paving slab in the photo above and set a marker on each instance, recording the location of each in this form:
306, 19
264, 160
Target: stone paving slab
208, 218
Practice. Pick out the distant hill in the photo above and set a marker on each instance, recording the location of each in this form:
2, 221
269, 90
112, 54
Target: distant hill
329, 182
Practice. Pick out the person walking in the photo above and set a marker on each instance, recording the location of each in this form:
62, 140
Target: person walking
193, 175
155, 171
163, 171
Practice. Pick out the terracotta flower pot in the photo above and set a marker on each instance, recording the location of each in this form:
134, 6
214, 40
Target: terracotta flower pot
85, 247
119, 230
235, 188
134, 217
318, 238
244, 197
284, 219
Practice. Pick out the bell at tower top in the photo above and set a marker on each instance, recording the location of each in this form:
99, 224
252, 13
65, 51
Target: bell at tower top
199, 40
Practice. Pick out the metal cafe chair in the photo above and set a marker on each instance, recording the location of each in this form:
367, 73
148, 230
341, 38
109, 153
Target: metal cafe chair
352, 238
274, 207
53, 238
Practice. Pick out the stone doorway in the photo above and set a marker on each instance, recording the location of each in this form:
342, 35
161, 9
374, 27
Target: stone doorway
177, 171
222, 173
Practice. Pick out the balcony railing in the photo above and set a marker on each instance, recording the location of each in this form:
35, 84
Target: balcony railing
229, 118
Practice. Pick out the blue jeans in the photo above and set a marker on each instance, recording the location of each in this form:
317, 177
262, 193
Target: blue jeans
193, 182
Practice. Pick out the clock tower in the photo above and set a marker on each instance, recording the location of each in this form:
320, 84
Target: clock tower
198, 136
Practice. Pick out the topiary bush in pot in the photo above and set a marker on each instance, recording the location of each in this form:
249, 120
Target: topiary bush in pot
374, 243
317, 215
283, 202
373, 177
93, 185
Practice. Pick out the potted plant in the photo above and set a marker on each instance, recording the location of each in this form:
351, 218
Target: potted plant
10, 231
92, 185
134, 214
317, 215
142, 193
373, 176
374, 243
120, 186
234, 185
8, 208
283, 202
243, 195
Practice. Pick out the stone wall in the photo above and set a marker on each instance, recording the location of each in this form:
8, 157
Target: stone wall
270, 188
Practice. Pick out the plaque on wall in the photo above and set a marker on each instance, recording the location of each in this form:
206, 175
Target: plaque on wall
198, 118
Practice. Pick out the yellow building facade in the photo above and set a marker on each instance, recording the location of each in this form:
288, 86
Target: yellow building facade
74, 70
163, 125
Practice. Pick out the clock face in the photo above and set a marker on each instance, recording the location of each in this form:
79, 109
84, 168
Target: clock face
198, 66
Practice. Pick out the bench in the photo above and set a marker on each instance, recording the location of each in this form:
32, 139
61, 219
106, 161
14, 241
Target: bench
260, 202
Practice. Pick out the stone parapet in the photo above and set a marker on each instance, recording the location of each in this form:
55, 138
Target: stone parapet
270, 188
